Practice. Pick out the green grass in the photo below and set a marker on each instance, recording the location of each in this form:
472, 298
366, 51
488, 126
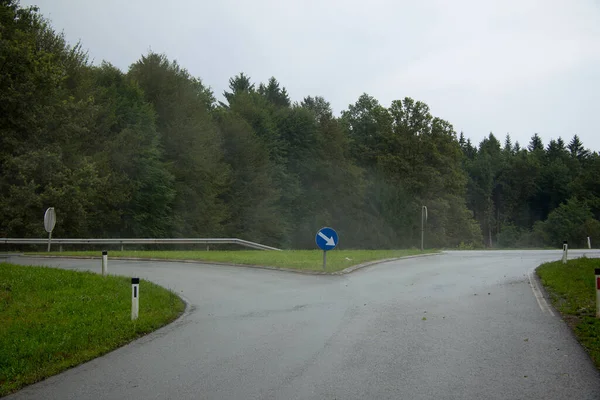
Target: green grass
573, 292
311, 260
52, 319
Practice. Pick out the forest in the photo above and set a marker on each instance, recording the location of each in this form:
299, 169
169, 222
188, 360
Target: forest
150, 152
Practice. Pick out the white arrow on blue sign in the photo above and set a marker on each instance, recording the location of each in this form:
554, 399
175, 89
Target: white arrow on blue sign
326, 239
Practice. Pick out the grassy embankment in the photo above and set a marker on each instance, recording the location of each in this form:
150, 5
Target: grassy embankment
573, 292
52, 319
311, 260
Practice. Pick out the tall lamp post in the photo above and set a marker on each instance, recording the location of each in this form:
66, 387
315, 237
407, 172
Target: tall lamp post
423, 221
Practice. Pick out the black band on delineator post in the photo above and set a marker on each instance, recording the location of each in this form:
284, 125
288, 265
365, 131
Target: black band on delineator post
135, 281
104, 252
597, 271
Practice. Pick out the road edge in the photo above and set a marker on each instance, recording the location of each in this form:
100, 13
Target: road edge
570, 327
371, 263
540, 293
267, 267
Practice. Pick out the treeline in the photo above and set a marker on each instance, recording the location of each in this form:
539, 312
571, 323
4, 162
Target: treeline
151, 153
534, 196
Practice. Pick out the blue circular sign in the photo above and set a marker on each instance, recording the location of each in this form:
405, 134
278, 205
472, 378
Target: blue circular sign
326, 239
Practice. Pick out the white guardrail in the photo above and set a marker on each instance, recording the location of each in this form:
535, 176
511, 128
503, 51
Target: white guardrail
122, 242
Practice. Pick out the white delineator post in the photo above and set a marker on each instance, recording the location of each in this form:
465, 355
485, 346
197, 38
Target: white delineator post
135, 298
589, 243
104, 262
597, 271
565, 252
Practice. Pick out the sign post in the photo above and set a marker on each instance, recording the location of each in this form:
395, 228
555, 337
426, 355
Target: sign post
326, 239
597, 272
423, 221
49, 223
135, 298
565, 252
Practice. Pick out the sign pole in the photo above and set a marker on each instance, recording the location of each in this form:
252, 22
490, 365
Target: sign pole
423, 220
422, 231
135, 298
597, 272
326, 239
49, 223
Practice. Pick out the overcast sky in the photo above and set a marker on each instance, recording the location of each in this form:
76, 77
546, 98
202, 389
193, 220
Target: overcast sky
509, 66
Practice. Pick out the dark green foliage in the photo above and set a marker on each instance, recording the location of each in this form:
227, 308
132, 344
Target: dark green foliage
251, 196
38, 158
191, 143
536, 197
274, 94
572, 221
536, 144
577, 150
411, 159
151, 153
137, 190
239, 84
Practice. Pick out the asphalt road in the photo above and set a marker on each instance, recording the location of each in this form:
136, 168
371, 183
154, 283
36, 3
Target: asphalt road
462, 325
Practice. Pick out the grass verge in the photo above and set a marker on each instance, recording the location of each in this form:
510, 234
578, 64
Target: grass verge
310, 260
573, 292
52, 319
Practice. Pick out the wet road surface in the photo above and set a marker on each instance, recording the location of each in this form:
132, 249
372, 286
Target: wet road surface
461, 325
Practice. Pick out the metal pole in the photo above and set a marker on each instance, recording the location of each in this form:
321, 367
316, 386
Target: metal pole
597, 272
423, 220
324, 260
49, 240
135, 298
422, 230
